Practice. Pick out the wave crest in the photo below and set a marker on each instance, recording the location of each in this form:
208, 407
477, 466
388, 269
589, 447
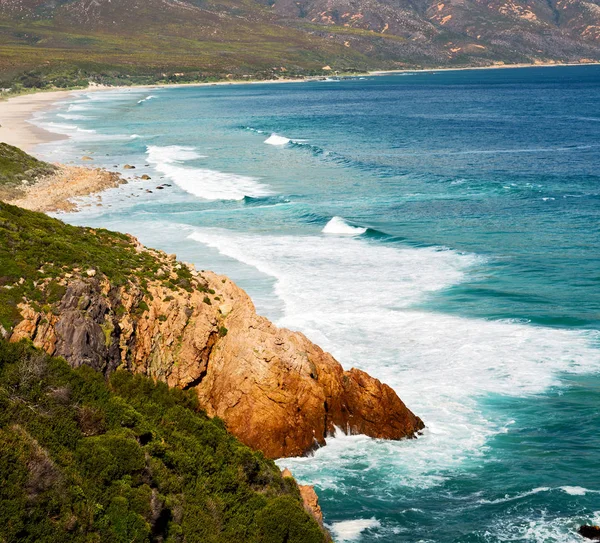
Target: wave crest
350, 530
340, 227
275, 139
201, 182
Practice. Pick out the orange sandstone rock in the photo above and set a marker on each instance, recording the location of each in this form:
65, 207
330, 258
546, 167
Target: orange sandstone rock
276, 391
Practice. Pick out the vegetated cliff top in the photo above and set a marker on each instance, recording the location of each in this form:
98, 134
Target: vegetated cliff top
17, 168
69, 41
83, 459
89, 456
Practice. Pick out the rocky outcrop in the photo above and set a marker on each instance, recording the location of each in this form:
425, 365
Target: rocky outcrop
311, 502
309, 498
589, 532
276, 390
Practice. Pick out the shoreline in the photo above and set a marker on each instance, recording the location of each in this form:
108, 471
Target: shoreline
493, 67
58, 192
16, 112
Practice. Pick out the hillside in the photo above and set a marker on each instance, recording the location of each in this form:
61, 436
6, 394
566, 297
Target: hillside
83, 459
18, 169
67, 42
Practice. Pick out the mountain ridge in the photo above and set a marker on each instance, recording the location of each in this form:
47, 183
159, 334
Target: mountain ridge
44, 42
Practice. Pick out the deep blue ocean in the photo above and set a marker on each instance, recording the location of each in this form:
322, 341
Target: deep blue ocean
438, 230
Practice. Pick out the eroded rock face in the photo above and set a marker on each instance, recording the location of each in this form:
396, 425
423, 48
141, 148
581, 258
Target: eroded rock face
276, 390
309, 498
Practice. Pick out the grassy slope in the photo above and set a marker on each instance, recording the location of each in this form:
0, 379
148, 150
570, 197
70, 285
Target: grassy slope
66, 43
128, 460
239, 38
35, 249
17, 166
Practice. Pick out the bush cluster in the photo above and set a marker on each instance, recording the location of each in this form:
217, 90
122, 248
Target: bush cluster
128, 460
38, 250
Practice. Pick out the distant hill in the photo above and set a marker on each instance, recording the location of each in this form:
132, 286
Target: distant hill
67, 41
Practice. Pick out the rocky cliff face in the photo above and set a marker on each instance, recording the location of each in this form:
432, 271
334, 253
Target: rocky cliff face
276, 391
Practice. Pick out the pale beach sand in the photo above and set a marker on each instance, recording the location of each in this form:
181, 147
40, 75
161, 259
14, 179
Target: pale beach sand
15, 114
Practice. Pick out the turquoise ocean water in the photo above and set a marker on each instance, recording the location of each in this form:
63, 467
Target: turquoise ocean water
438, 230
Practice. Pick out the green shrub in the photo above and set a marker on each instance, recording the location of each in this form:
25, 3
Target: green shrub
85, 460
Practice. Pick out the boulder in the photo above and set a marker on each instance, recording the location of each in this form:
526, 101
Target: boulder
589, 532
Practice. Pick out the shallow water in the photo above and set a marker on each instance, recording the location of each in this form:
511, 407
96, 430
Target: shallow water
439, 230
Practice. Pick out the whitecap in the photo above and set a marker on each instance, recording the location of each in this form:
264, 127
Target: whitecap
73, 117
577, 490
274, 139
518, 496
340, 227
78, 106
202, 182
148, 98
350, 530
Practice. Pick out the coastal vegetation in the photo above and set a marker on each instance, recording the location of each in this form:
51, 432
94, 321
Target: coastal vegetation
17, 168
85, 459
38, 250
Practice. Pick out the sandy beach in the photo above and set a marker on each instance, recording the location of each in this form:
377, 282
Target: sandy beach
15, 114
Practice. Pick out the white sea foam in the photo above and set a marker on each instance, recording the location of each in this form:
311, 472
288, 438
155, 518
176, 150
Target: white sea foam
204, 183
151, 97
518, 496
73, 117
75, 132
540, 529
571, 490
578, 490
78, 106
275, 139
356, 299
340, 227
350, 530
